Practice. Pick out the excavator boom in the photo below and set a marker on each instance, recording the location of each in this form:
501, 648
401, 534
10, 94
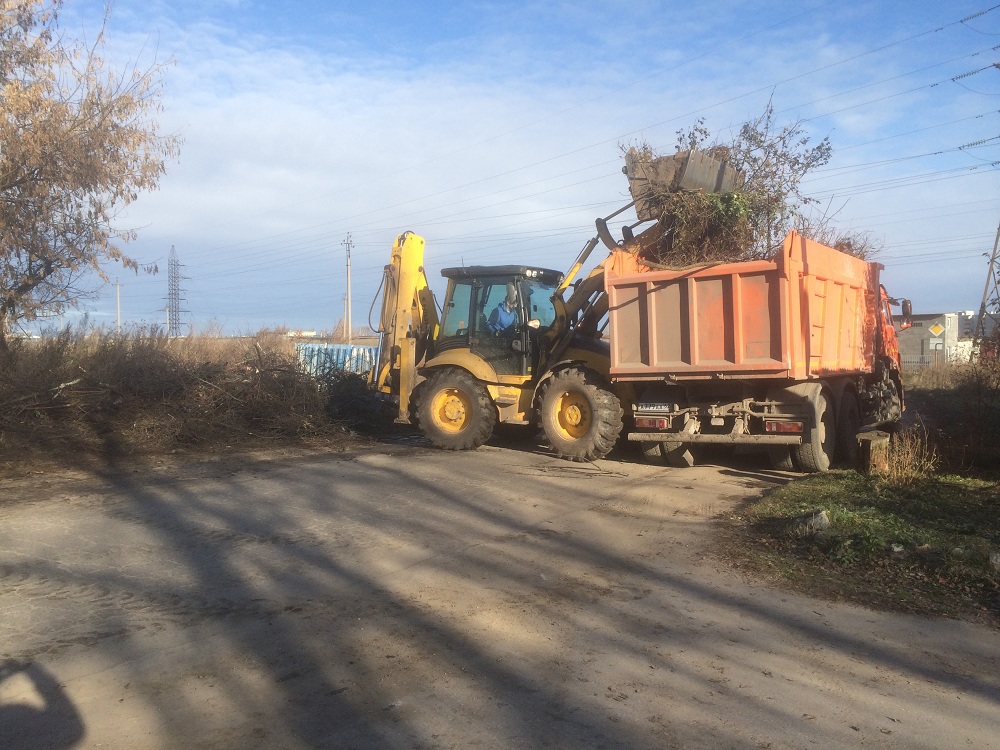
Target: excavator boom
408, 322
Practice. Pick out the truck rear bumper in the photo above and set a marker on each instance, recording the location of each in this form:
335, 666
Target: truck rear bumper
727, 439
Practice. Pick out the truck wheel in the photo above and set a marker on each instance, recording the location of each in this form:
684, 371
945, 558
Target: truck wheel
895, 407
781, 457
677, 455
580, 416
455, 411
816, 451
670, 453
848, 425
652, 453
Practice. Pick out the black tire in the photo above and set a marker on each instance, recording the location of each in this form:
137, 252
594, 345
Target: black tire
820, 438
895, 408
781, 457
580, 415
848, 425
652, 452
677, 455
455, 411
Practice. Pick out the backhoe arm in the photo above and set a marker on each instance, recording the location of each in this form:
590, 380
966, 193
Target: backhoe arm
408, 322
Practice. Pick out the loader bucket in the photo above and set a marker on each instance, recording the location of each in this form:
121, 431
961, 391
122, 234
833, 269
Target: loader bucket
685, 170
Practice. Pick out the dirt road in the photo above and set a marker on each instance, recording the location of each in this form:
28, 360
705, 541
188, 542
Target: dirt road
403, 597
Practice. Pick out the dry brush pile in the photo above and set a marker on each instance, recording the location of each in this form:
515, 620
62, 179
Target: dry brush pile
98, 394
750, 221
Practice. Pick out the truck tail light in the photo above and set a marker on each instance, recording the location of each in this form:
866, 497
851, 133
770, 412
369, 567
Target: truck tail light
773, 425
652, 423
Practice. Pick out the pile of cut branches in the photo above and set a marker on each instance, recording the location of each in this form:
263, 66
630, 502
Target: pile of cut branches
101, 395
751, 221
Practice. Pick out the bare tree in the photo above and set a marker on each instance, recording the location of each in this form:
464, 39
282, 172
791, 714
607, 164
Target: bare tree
773, 161
752, 221
78, 142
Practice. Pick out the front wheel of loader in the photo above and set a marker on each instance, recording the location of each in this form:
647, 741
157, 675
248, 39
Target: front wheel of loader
581, 417
455, 411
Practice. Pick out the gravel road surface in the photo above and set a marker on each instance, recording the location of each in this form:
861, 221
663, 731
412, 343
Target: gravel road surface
401, 597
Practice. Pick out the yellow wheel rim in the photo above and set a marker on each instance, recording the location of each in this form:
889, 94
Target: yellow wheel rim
451, 409
573, 415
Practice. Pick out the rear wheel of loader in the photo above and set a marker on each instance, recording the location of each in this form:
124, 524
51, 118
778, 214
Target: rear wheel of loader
580, 416
455, 411
820, 439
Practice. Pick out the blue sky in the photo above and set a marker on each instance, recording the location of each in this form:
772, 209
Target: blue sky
494, 130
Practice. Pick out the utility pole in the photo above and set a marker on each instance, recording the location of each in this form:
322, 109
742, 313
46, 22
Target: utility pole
991, 293
118, 304
348, 243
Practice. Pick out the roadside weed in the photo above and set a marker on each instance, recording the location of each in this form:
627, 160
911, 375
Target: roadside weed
916, 543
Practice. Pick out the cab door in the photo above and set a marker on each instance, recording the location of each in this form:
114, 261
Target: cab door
506, 351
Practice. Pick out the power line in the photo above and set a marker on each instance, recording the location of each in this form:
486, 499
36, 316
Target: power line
620, 137
309, 246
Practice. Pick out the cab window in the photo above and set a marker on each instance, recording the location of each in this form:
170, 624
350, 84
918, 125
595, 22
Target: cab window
455, 316
492, 294
538, 300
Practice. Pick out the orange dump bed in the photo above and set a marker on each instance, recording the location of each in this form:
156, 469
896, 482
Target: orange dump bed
807, 313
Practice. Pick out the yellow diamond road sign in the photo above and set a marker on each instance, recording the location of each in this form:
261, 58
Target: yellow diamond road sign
937, 329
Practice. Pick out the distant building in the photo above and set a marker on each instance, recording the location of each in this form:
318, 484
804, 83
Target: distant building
939, 338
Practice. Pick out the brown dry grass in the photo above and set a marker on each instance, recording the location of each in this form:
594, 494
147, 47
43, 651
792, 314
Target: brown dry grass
960, 405
912, 457
85, 395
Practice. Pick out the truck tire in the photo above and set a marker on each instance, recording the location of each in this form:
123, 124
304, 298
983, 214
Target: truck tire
895, 399
581, 417
455, 411
781, 457
820, 438
652, 453
677, 455
848, 425
670, 453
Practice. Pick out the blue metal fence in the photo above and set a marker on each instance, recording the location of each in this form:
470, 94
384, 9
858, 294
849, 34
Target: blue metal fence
320, 359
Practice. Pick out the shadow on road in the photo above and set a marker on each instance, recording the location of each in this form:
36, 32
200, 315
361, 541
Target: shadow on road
54, 725
329, 586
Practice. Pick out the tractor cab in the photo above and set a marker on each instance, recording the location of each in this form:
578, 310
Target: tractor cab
498, 313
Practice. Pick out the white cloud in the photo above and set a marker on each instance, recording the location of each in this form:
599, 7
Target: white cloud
502, 122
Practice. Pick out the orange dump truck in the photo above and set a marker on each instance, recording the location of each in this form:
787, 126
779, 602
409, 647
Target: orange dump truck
794, 354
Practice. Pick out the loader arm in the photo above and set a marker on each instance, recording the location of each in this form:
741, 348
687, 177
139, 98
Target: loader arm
584, 312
